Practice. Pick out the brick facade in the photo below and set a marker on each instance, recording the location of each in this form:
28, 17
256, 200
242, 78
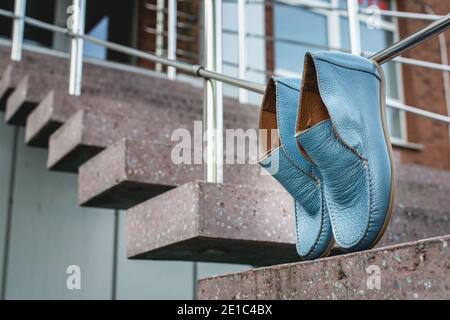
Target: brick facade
270, 48
188, 43
424, 88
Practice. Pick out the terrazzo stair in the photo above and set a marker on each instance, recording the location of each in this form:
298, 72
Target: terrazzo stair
12, 73
201, 221
41, 102
229, 217
57, 108
132, 171
117, 137
415, 270
27, 95
39, 74
87, 132
5, 87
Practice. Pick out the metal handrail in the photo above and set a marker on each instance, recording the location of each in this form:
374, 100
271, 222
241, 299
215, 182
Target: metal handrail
391, 52
7, 13
415, 62
214, 169
383, 56
413, 40
401, 60
326, 6
193, 69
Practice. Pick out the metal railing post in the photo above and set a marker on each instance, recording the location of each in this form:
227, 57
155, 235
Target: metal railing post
172, 37
78, 11
213, 76
213, 104
353, 26
242, 37
334, 26
159, 45
18, 29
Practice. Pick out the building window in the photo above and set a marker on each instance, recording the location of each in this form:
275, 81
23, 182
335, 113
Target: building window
293, 26
299, 29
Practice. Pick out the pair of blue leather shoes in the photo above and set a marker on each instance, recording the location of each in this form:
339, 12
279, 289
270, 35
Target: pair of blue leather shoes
328, 145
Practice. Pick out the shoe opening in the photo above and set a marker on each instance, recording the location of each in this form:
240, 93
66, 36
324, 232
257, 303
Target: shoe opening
312, 107
268, 134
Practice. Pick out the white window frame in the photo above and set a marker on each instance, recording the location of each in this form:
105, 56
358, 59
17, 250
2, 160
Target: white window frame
400, 86
334, 41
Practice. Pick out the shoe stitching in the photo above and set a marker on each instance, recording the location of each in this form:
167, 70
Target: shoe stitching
310, 175
321, 231
346, 67
288, 85
322, 224
296, 224
366, 231
356, 152
356, 243
361, 163
359, 243
370, 222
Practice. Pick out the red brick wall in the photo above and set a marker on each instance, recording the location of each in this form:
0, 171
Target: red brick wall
270, 47
424, 88
188, 30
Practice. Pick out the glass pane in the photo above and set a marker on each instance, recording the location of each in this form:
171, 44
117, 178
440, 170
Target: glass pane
373, 40
297, 24
394, 123
100, 31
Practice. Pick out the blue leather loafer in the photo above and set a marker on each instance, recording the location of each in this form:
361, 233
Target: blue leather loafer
298, 176
342, 128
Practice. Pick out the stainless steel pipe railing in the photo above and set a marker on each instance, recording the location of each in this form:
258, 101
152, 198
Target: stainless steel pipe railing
413, 40
381, 57
211, 72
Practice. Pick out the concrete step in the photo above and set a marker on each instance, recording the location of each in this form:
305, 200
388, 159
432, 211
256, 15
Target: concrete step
5, 87
28, 93
12, 73
201, 221
130, 172
226, 223
86, 133
90, 131
106, 80
415, 270
58, 106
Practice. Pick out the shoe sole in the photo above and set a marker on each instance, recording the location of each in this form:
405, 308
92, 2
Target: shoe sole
327, 252
390, 152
